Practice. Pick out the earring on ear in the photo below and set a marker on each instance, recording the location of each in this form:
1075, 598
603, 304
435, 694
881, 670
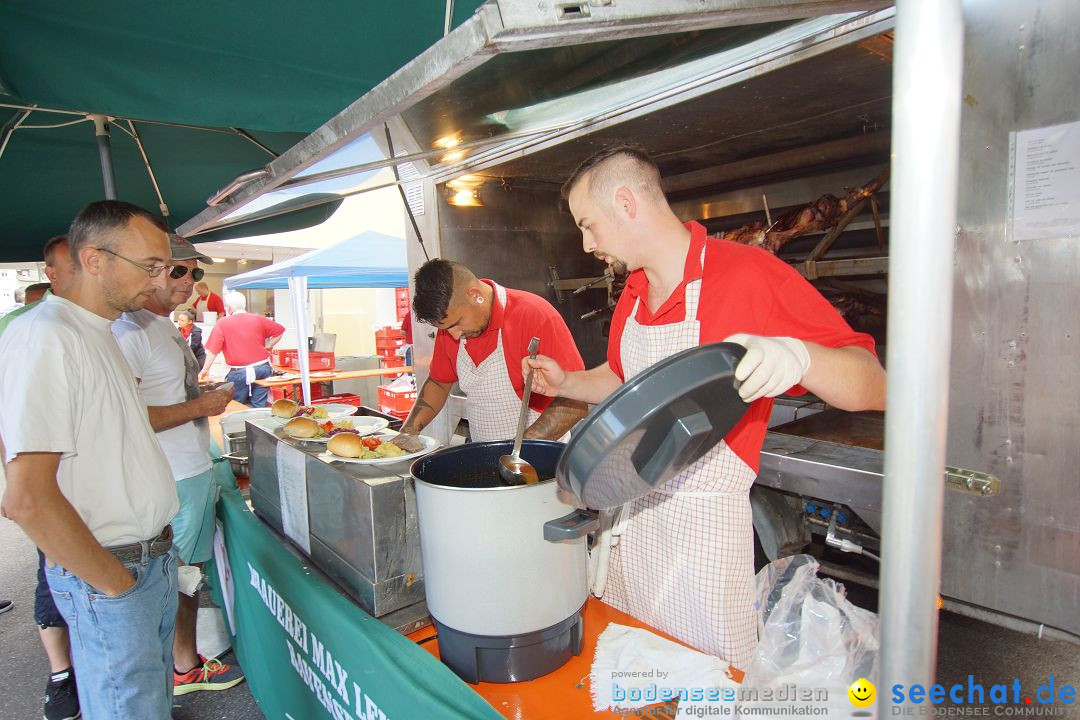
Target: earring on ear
480, 300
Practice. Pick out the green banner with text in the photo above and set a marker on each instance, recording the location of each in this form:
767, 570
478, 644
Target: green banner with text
309, 652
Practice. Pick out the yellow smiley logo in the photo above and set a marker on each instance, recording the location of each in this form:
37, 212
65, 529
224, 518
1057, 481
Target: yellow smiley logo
862, 693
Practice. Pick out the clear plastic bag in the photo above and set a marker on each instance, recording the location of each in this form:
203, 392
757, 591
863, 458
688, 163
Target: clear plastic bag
809, 635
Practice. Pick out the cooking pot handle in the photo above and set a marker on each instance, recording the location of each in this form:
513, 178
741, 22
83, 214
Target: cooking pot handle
682, 445
571, 527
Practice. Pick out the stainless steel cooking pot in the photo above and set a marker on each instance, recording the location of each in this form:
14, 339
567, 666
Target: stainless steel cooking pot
504, 566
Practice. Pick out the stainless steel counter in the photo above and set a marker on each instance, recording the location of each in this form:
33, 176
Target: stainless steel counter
361, 523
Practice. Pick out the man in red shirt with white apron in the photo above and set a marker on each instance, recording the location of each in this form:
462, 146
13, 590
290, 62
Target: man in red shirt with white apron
681, 557
484, 332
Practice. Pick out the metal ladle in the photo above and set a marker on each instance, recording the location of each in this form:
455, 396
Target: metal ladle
512, 468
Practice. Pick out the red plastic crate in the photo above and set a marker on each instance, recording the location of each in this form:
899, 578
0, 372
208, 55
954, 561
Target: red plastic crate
389, 343
392, 361
388, 338
283, 357
316, 361
293, 392
386, 352
396, 402
389, 332
344, 398
290, 358
401, 297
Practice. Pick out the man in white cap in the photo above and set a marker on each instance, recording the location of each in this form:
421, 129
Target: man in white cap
167, 373
245, 340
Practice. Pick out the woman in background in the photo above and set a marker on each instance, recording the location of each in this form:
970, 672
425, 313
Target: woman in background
185, 321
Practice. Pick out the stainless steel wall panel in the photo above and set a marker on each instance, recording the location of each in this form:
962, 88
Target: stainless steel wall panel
1014, 393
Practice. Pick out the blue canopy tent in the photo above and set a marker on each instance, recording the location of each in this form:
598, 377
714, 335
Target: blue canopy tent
367, 260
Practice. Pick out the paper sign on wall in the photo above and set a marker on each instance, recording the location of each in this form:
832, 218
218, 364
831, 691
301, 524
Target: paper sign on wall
1045, 187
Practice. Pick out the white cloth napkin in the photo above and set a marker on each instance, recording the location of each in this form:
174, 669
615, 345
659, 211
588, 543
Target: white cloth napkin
635, 663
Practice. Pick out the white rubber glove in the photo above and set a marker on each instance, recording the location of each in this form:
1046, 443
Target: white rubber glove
772, 365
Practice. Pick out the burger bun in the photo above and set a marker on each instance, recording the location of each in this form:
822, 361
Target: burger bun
302, 428
346, 445
284, 408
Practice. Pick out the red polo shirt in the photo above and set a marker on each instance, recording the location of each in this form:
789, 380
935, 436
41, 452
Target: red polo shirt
242, 338
743, 290
525, 316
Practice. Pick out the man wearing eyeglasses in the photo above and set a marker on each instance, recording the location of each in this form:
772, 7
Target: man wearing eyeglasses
86, 478
167, 373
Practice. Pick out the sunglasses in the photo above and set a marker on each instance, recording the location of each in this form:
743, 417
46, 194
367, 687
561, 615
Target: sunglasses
179, 271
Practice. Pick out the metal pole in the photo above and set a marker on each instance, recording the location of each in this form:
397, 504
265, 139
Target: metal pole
927, 74
149, 171
101, 130
298, 292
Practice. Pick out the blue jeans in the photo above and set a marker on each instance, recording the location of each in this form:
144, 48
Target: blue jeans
242, 391
122, 645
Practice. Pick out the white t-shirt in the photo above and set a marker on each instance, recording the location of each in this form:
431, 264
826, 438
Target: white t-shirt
168, 374
66, 388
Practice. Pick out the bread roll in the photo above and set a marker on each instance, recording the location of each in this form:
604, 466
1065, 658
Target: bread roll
284, 408
302, 427
346, 445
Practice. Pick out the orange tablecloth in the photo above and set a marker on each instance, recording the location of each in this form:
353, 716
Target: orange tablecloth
564, 693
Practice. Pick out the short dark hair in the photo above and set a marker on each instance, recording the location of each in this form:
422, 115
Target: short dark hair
102, 218
633, 152
434, 283
37, 289
49, 251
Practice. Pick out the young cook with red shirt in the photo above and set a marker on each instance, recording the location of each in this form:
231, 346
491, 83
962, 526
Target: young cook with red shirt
484, 333
683, 558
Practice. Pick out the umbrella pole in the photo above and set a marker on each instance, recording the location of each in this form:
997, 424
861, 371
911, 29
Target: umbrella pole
298, 291
101, 130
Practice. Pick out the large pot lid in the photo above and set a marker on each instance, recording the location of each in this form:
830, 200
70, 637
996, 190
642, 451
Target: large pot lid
653, 427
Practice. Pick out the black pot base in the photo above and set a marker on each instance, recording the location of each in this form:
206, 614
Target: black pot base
511, 658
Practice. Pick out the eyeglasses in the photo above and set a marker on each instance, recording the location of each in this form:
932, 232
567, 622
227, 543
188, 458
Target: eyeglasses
179, 271
151, 270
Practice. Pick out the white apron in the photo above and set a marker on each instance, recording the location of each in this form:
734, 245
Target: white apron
249, 370
491, 403
681, 558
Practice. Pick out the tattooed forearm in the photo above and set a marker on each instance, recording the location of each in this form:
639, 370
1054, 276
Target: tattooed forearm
557, 419
429, 402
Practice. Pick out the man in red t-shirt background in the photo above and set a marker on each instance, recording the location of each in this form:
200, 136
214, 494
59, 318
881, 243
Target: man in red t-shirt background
207, 301
484, 333
681, 558
245, 340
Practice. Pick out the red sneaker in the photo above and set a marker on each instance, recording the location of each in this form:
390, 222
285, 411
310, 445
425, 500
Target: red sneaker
211, 675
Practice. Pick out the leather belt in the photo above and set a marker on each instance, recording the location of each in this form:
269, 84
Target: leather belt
139, 551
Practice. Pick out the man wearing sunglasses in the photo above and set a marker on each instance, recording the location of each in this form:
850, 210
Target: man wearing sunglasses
168, 379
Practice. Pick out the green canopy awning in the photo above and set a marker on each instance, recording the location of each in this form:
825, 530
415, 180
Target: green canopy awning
274, 71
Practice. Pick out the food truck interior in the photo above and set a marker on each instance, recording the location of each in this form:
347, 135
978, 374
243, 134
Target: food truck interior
774, 127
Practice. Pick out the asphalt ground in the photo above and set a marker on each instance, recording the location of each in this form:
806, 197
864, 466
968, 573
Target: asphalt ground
24, 669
